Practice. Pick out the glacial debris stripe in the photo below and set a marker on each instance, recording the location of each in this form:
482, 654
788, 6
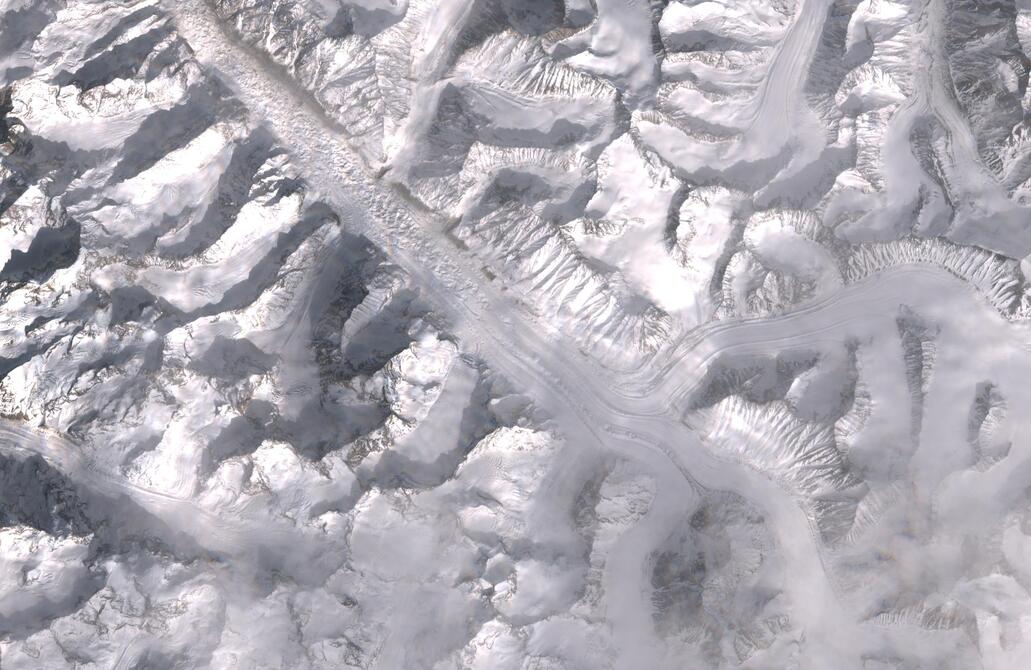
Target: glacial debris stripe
515, 334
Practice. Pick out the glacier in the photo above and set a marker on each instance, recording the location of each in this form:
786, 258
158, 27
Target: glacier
515, 334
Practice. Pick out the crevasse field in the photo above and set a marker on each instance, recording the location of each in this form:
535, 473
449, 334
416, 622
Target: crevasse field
515, 334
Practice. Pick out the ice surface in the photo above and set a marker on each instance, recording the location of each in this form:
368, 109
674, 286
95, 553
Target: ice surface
515, 334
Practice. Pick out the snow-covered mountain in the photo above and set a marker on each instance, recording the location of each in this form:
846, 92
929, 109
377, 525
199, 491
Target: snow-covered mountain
515, 334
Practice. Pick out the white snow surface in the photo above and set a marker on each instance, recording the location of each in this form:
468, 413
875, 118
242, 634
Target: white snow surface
515, 334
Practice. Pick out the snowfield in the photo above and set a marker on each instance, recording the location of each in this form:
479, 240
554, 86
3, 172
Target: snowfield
515, 334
